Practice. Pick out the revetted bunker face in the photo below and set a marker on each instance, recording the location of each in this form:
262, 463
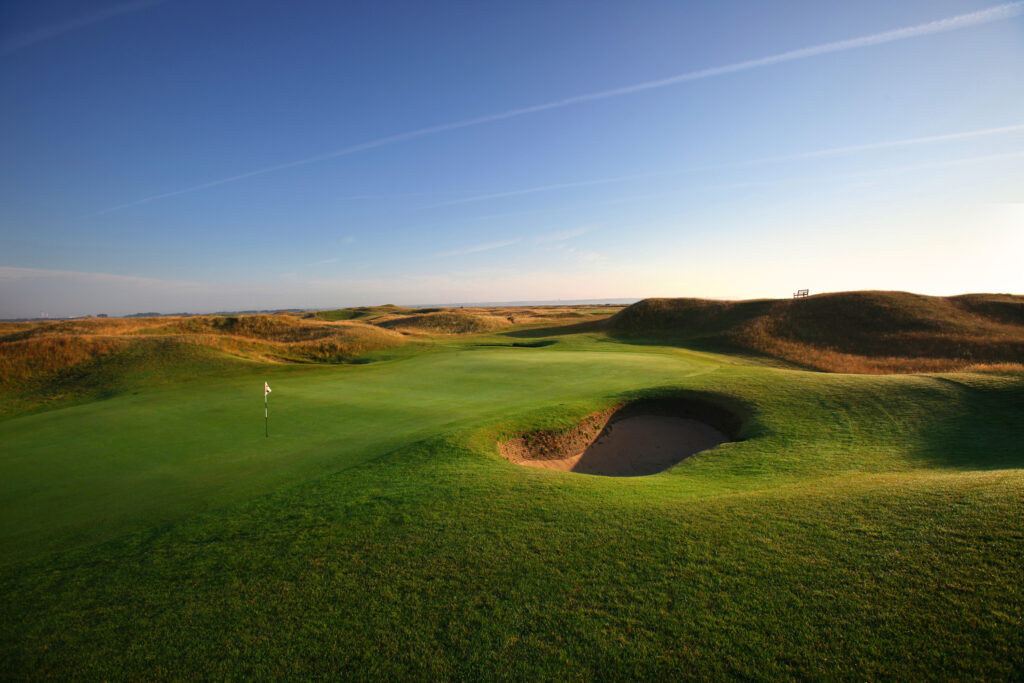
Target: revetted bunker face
639, 438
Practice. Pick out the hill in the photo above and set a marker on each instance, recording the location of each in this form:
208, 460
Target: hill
447, 322
860, 332
49, 364
465, 320
364, 313
52, 363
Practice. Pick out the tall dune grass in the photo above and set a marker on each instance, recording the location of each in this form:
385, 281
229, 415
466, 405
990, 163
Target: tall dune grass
30, 350
849, 332
447, 322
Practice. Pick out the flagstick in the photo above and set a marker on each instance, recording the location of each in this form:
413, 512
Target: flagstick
266, 416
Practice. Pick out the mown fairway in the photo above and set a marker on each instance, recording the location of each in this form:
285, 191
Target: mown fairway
97, 470
864, 526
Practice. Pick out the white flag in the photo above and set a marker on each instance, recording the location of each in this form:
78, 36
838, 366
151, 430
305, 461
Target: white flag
266, 389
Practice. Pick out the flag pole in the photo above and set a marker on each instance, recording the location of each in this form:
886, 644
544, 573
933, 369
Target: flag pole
266, 416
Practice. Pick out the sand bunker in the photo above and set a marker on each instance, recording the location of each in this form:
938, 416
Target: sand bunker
634, 440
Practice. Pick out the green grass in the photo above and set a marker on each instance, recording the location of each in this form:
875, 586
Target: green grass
862, 526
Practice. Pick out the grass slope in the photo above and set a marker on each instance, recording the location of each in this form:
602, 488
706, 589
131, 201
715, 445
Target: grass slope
365, 313
863, 526
846, 331
447, 322
464, 320
55, 364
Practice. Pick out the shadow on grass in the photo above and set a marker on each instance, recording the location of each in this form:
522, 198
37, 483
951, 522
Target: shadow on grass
711, 345
706, 345
983, 429
575, 328
540, 343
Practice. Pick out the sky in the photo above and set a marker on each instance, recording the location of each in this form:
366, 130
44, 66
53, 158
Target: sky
214, 155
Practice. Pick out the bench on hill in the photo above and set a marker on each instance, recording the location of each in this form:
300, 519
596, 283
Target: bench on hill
799, 293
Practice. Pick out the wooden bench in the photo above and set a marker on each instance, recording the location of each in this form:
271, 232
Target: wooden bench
799, 293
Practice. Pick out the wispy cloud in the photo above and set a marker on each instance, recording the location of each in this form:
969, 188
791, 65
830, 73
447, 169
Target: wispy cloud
558, 243
11, 273
349, 198
960, 21
563, 235
944, 163
826, 179
477, 248
343, 241
885, 144
539, 188
30, 291
862, 178
584, 255
44, 33
812, 154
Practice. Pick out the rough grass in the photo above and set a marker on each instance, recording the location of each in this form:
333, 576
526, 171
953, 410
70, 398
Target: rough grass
851, 332
27, 348
365, 313
392, 316
51, 364
446, 322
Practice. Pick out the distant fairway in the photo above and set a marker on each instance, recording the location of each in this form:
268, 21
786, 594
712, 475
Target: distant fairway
863, 526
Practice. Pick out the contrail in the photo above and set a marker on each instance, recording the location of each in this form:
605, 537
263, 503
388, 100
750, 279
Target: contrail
477, 248
829, 151
985, 16
47, 32
887, 144
1006, 156
963, 161
548, 188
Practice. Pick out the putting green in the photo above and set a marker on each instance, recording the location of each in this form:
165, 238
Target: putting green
95, 471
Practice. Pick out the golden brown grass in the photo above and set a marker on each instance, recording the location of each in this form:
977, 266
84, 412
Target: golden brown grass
446, 322
24, 358
475, 320
32, 349
851, 332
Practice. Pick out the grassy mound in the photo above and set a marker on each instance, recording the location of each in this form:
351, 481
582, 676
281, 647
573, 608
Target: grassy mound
50, 364
447, 322
397, 317
28, 349
276, 328
364, 313
861, 332
53, 372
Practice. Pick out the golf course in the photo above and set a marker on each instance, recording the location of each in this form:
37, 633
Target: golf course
861, 516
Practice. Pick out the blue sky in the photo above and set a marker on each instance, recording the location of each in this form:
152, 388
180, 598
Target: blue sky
186, 155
